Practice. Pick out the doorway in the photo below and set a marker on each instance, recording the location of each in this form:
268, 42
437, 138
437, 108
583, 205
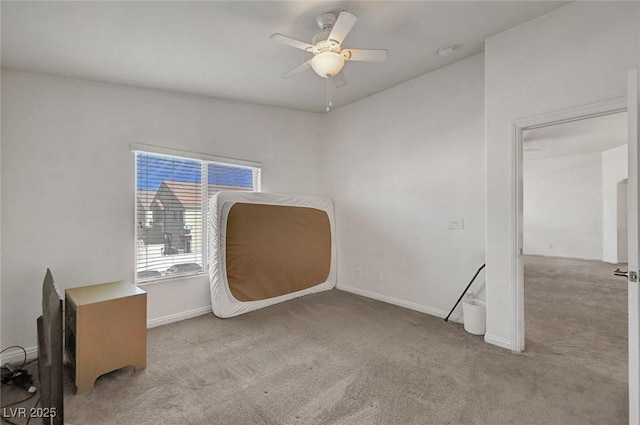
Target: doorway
516, 223
574, 216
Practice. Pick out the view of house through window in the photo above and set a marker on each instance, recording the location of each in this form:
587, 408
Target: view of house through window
171, 211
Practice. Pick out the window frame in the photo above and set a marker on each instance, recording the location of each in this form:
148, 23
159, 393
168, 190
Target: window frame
204, 159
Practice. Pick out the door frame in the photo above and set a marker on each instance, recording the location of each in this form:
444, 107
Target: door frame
517, 129
633, 93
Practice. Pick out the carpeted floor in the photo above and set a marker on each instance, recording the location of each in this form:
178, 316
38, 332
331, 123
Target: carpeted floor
337, 358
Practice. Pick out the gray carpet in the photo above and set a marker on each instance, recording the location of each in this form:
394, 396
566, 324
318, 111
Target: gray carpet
337, 358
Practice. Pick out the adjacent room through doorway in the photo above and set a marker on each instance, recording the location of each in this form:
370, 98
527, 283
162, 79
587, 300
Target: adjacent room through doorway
574, 237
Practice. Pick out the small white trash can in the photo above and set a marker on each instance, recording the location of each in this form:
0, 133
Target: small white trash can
475, 315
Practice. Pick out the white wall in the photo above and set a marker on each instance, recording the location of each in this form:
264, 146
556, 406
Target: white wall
614, 170
562, 199
576, 55
571, 205
399, 165
68, 181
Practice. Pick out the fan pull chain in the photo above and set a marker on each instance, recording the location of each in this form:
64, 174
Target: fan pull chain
329, 102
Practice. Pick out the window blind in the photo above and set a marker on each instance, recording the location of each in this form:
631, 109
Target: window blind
172, 208
231, 177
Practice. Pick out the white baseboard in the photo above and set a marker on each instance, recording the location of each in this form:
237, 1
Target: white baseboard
402, 303
15, 356
500, 342
165, 320
563, 257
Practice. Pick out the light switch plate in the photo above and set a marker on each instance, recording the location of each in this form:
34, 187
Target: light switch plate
455, 224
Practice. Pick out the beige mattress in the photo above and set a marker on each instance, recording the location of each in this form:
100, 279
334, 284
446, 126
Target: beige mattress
268, 248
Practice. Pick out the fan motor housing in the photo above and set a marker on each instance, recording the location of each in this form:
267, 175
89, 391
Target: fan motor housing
324, 45
326, 21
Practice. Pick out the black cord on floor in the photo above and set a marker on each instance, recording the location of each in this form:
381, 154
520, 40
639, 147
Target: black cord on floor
24, 362
30, 361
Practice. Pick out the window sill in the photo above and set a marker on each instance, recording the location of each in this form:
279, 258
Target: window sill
166, 279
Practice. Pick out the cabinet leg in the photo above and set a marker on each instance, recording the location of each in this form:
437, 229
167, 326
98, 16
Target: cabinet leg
84, 383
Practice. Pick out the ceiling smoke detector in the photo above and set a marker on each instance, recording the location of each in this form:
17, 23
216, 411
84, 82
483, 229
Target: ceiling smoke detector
446, 50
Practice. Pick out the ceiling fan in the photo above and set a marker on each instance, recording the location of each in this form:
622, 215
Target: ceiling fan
326, 46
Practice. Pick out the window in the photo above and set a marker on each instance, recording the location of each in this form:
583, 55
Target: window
172, 209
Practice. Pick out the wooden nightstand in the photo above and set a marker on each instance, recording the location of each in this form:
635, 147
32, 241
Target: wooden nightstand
106, 329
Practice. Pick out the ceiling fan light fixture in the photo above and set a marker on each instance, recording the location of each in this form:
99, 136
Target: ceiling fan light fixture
327, 63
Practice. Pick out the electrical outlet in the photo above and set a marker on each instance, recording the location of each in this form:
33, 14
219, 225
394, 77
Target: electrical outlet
455, 224
358, 273
380, 277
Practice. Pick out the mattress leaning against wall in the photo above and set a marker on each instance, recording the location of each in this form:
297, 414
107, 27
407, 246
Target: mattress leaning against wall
268, 248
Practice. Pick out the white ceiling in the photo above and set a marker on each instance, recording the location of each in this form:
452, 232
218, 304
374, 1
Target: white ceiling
222, 48
591, 135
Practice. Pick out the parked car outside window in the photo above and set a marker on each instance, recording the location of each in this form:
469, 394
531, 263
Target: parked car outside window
184, 268
149, 274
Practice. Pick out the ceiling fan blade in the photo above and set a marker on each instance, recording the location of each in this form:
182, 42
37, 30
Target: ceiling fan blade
338, 80
283, 39
298, 69
366, 55
344, 23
